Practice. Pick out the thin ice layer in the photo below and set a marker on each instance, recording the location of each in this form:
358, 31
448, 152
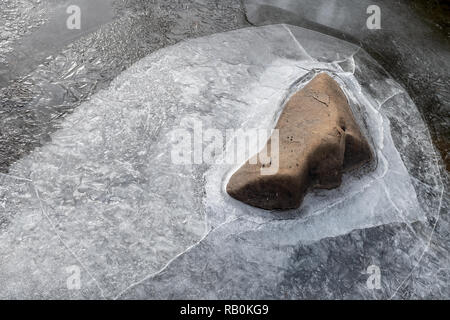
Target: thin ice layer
119, 204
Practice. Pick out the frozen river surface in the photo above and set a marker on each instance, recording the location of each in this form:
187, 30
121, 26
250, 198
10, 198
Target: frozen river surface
102, 196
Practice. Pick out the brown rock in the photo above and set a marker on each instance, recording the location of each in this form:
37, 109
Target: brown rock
318, 140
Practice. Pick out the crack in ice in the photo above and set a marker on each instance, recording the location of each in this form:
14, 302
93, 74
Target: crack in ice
52, 225
15, 177
424, 250
154, 274
300, 47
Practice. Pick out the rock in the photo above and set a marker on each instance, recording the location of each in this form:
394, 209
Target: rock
318, 140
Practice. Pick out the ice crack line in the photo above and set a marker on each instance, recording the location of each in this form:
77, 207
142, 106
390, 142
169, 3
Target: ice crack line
390, 97
302, 50
424, 250
154, 274
15, 177
63, 242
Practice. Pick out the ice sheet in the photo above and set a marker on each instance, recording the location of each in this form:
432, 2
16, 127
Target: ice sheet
118, 208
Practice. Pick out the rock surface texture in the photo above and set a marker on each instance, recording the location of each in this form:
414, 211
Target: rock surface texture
318, 140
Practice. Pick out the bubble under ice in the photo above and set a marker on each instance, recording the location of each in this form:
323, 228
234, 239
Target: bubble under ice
105, 196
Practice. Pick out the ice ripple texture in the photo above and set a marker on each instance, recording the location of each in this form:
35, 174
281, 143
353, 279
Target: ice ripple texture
105, 196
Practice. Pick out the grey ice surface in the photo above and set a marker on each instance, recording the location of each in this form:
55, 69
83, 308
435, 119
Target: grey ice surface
412, 45
33, 30
46, 70
105, 196
18, 18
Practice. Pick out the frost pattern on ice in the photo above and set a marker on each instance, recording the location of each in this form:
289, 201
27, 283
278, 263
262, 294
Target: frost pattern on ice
107, 183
